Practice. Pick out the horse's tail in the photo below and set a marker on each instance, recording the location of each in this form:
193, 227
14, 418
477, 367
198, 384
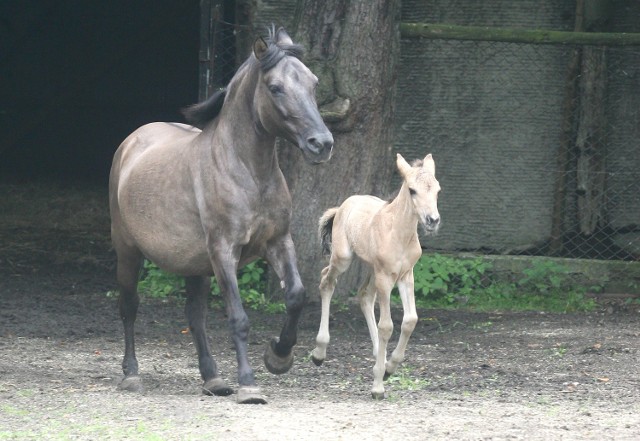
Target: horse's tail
198, 115
325, 227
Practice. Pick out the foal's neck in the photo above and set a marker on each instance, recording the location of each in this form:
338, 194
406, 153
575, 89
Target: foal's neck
405, 218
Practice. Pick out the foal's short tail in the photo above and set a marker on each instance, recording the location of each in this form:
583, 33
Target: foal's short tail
325, 226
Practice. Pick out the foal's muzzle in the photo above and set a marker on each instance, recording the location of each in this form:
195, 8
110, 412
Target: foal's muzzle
431, 223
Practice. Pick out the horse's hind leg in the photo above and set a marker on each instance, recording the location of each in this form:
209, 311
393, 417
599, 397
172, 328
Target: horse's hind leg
409, 320
128, 272
197, 288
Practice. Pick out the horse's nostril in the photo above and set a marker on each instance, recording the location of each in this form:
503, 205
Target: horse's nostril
320, 143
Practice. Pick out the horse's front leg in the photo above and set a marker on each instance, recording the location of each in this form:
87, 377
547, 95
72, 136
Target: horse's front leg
225, 268
198, 289
278, 356
409, 320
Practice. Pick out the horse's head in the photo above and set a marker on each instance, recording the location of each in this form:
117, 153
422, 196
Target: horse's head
285, 97
423, 187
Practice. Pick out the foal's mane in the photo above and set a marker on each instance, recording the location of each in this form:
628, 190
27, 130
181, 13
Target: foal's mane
200, 114
415, 164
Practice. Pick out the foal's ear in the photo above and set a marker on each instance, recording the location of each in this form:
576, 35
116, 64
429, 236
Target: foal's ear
403, 166
260, 47
429, 164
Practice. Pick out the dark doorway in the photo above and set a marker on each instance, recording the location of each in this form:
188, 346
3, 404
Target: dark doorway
76, 77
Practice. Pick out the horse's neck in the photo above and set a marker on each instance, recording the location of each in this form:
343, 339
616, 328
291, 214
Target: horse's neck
239, 137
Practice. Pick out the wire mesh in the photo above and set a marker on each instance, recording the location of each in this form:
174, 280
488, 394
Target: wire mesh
537, 146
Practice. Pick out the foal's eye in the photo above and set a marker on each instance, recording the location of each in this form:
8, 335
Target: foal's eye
276, 89
412, 192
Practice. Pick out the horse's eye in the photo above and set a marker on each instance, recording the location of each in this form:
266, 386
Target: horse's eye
412, 192
276, 89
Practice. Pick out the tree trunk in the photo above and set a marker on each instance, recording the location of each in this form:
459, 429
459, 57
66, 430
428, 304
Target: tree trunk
353, 48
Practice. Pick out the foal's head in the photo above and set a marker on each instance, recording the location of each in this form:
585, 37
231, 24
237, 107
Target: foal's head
423, 187
285, 97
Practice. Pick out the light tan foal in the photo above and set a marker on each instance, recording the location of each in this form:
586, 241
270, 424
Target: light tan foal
383, 235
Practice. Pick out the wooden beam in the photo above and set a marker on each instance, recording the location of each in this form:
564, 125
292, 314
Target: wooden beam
512, 35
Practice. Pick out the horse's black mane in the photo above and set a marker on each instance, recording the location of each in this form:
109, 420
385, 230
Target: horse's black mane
276, 52
200, 114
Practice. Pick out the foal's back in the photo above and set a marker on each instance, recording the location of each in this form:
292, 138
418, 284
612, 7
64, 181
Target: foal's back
359, 218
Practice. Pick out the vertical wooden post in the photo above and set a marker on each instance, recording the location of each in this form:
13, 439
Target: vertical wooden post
566, 140
209, 15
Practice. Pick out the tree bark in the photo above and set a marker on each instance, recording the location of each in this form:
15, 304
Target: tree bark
353, 48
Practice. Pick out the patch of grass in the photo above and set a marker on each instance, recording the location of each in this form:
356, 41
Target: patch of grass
448, 282
403, 379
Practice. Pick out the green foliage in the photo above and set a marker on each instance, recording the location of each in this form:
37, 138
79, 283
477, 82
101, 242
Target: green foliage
159, 284
447, 282
443, 281
251, 284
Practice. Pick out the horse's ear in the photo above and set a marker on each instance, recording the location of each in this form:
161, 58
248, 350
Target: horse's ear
403, 166
429, 164
260, 47
283, 38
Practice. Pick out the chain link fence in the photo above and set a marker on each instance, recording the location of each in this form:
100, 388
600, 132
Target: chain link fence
537, 146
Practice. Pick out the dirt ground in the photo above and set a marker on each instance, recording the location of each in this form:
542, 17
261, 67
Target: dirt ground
475, 376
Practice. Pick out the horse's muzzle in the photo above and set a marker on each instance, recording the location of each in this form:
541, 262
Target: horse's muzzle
318, 148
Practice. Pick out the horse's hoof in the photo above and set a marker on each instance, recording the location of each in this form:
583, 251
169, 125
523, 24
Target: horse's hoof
132, 383
216, 386
275, 364
317, 361
250, 395
386, 376
378, 395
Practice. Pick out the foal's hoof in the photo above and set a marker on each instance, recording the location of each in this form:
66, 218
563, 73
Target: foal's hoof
378, 395
386, 375
250, 395
132, 383
216, 386
275, 364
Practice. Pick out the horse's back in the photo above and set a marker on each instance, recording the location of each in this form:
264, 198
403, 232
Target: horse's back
160, 135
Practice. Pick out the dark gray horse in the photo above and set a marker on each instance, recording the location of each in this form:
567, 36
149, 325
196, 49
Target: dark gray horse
205, 202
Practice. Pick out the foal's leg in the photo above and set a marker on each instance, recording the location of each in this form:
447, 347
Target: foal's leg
328, 280
196, 311
384, 283
127, 273
409, 320
281, 255
367, 294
